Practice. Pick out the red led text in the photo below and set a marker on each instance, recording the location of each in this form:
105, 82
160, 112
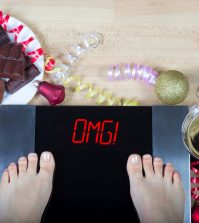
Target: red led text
104, 132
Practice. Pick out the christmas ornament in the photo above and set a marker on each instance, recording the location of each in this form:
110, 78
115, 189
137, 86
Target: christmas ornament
55, 94
171, 87
195, 214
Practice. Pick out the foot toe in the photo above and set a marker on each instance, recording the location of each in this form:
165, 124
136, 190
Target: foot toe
158, 166
47, 165
147, 165
32, 163
5, 177
168, 172
22, 165
12, 170
134, 167
176, 178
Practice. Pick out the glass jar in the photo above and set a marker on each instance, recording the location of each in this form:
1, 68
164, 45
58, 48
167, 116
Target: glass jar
190, 131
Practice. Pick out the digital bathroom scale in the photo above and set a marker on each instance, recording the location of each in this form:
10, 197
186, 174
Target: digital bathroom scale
91, 146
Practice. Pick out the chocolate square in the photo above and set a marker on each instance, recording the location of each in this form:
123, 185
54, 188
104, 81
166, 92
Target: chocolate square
31, 72
12, 62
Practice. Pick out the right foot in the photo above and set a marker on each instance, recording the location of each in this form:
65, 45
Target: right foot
24, 193
158, 197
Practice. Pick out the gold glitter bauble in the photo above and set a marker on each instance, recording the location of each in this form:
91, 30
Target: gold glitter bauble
171, 87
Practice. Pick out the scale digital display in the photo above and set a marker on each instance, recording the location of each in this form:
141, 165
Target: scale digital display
104, 132
91, 146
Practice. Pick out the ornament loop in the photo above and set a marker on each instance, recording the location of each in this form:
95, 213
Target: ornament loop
36, 83
93, 40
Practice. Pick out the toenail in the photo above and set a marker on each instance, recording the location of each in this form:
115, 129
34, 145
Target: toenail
156, 159
46, 156
169, 164
12, 164
147, 156
32, 155
135, 159
22, 159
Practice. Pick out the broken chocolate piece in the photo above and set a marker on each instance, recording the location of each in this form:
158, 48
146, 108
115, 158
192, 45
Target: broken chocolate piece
12, 61
2, 90
4, 38
30, 73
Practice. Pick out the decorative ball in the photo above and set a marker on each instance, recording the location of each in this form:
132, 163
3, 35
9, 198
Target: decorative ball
171, 87
195, 214
55, 94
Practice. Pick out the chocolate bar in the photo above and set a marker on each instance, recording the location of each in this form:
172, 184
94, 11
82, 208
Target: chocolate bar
2, 90
12, 62
28, 61
30, 73
3, 37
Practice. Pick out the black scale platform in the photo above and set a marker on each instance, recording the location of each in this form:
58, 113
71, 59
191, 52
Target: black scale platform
91, 146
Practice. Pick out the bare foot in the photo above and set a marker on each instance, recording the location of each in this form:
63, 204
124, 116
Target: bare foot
158, 197
24, 193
